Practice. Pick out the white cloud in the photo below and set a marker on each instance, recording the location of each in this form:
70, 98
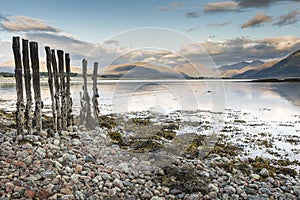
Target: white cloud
24, 23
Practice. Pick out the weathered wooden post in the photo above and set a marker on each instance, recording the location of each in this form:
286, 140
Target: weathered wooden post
95, 92
27, 76
85, 113
19, 85
68, 92
60, 55
50, 83
36, 84
57, 90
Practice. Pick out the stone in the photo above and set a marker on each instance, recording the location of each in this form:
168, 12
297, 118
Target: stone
264, 191
296, 190
229, 189
213, 188
56, 142
106, 177
75, 142
156, 198
29, 194
69, 158
79, 195
255, 176
89, 158
264, 173
118, 183
68, 197
48, 174
44, 193
175, 191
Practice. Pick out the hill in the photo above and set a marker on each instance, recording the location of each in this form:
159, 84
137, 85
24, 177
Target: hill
288, 67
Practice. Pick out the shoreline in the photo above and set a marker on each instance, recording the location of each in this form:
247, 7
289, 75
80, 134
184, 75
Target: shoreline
90, 165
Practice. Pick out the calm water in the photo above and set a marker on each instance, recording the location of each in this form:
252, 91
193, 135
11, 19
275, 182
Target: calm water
246, 108
268, 101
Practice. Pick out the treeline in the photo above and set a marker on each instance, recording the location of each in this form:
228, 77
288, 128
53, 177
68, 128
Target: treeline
42, 74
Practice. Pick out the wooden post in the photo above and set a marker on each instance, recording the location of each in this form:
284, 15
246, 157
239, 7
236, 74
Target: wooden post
50, 83
19, 85
95, 92
27, 75
85, 113
68, 92
57, 90
36, 84
60, 55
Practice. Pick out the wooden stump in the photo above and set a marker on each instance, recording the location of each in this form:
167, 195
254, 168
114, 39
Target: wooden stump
95, 93
27, 76
60, 55
36, 84
57, 90
50, 83
68, 92
19, 85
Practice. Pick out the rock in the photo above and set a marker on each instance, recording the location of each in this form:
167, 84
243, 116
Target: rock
106, 177
229, 189
44, 193
70, 129
264, 191
147, 194
296, 190
68, 197
156, 198
75, 142
69, 158
175, 191
234, 197
213, 188
255, 176
29, 194
48, 174
65, 133
118, 183
112, 192
56, 142
264, 173
79, 195
89, 158
41, 152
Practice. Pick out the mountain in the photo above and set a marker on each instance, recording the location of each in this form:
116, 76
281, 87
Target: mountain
141, 70
240, 65
235, 72
288, 67
195, 70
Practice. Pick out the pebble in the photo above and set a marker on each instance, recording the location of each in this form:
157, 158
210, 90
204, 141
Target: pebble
71, 168
264, 173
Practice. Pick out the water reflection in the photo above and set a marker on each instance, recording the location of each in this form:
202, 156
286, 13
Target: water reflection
271, 101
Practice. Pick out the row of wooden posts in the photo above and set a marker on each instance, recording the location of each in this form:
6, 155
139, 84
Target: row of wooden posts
59, 86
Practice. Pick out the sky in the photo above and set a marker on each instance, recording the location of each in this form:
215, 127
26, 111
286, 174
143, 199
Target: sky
165, 32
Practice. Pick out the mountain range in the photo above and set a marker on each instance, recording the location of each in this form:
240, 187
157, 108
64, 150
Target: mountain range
288, 67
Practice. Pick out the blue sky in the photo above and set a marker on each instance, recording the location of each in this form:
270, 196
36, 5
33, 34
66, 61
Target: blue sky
229, 31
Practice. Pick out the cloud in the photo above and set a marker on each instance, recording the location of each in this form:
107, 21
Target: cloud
176, 4
163, 8
113, 42
241, 49
218, 24
24, 23
193, 14
260, 3
221, 6
290, 18
258, 20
